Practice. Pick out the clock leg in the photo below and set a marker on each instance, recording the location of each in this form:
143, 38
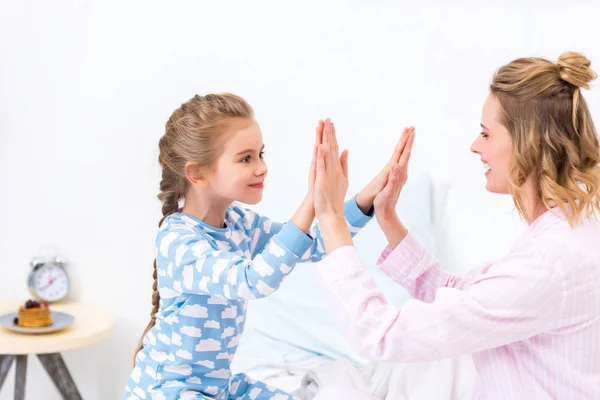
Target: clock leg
20, 377
5, 364
57, 369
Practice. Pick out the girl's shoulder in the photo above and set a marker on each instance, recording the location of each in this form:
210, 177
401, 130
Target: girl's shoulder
239, 217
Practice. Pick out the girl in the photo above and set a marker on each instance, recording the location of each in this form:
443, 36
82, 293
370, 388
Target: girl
532, 319
213, 255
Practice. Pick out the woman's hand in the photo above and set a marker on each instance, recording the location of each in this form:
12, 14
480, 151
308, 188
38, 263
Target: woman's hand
386, 199
385, 202
365, 198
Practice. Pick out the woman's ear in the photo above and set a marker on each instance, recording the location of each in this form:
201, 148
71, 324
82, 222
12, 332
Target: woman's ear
195, 175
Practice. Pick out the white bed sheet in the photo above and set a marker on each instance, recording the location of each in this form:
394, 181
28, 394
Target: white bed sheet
284, 366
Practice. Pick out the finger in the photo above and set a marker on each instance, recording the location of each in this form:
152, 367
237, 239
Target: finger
327, 158
399, 147
407, 150
344, 162
394, 177
320, 168
313, 164
319, 133
388, 189
397, 185
326, 132
333, 138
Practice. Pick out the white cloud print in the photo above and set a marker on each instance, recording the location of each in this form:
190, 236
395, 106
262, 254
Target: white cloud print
166, 242
181, 353
254, 393
212, 324
234, 341
216, 299
206, 363
211, 390
157, 395
160, 356
261, 266
169, 384
229, 331
191, 331
276, 250
286, 269
188, 276
184, 370
279, 396
229, 312
208, 345
176, 339
167, 293
218, 374
264, 289
195, 311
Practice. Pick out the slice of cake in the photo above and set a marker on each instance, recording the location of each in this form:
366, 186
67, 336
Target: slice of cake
33, 314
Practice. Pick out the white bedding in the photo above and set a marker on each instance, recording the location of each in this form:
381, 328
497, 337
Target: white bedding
292, 331
448, 379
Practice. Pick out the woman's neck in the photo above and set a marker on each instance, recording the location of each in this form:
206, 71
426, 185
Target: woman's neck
206, 208
534, 207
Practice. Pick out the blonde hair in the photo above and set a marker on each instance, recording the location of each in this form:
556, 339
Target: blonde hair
191, 134
553, 133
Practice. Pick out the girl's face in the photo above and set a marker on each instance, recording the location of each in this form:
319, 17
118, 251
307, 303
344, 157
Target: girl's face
240, 170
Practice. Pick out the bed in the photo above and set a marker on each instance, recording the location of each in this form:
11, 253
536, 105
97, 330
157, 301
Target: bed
292, 332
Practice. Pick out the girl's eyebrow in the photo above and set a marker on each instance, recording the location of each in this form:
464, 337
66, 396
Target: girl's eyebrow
249, 150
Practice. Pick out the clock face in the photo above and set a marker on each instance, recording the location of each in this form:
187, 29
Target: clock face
50, 283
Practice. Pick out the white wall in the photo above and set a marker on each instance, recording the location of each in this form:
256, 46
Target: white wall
86, 87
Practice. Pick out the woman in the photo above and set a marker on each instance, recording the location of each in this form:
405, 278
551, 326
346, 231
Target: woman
531, 319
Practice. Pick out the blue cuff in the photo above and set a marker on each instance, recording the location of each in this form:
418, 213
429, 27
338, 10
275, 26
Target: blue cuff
355, 216
294, 239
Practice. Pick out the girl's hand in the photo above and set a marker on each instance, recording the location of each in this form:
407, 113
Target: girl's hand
331, 177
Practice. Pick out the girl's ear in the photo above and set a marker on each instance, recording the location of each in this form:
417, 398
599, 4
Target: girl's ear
195, 175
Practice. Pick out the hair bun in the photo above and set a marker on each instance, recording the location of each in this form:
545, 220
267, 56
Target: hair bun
575, 68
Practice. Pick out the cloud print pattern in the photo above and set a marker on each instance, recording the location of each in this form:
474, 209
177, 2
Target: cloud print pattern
205, 277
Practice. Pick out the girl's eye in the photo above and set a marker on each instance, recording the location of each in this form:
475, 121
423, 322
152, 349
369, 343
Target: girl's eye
262, 154
245, 159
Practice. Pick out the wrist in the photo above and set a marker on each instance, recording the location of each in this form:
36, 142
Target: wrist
393, 229
364, 201
386, 213
332, 220
304, 216
335, 232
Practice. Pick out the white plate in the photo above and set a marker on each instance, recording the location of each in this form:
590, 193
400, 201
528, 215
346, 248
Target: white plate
60, 321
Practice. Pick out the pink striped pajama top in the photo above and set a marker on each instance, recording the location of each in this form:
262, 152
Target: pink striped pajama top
531, 320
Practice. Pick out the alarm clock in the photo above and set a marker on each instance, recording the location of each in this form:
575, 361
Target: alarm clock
48, 279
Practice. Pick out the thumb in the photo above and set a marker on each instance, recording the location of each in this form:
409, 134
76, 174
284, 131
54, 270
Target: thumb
313, 164
320, 163
390, 185
394, 176
344, 162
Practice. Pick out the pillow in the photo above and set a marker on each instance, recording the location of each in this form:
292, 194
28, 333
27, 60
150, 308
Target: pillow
296, 320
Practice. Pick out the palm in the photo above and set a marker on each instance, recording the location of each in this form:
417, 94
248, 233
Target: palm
397, 173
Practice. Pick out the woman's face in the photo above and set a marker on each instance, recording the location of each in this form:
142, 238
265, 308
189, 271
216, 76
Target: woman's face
494, 146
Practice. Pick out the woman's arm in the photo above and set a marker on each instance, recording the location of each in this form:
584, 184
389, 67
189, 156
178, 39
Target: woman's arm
518, 297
